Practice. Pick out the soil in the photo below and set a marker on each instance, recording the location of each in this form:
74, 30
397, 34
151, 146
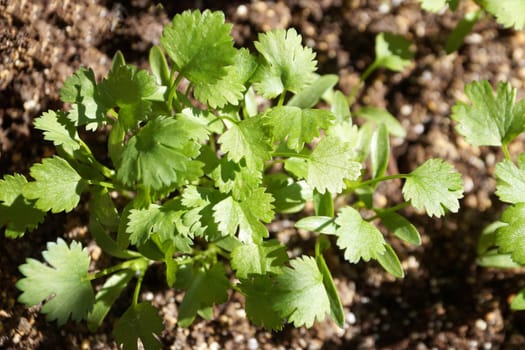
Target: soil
445, 301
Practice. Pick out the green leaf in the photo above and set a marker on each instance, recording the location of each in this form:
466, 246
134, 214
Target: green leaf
321, 224
199, 218
510, 181
139, 322
290, 196
129, 88
329, 164
380, 115
359, 238
379, 151
206, 287
106, 297
159, 66
487, 239
510, 238
65, 281
298, 126
249, 140
509, 13
323, 203
489, 120
266, 257
235, 177
88, 107
433, 5
301, 297
392, 52
309, 97
390, 262
400, 227
492, 258
57, 186
17, 214
340, 108
245, 216
156, 218
59, 130
260, 298
200, 46
230, 88
160, 155
434, 186
518, 302
462, 29
286, 65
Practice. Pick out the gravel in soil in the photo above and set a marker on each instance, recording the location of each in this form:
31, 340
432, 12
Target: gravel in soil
445, 301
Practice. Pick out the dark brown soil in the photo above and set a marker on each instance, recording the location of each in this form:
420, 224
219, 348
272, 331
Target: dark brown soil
445, 301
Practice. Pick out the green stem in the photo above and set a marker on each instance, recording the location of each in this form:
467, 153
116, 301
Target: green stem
105, 171
136, 293
506, 152
128, 264
380, 179
380, 211
104, 184
173, 89
281, 99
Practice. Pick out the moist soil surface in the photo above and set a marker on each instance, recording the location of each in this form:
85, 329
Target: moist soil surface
446, 301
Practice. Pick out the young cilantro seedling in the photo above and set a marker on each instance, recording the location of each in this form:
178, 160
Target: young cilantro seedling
496, 120
199, 171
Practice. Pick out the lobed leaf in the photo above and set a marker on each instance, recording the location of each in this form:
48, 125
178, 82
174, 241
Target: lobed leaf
160, 155
329, 164
434, 186
510, 238
489, 120
509, 13
510, 181
392, 52
359, 238
286, 65
63, 279
266, 257
139, 322
17, 214
57, 186
59, 130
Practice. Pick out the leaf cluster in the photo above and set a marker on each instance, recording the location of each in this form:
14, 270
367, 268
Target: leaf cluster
199, 171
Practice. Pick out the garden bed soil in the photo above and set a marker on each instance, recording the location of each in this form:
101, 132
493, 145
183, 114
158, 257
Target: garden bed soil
445, 301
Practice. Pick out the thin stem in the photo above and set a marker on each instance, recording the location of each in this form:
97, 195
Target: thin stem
369, 70
128, 264
173, 90
380, 179
506, 152
380, 211
281, 99
136, 293
105, 171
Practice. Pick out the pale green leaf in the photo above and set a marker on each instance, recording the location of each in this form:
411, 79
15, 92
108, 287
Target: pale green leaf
245, 216
489, 120
510, 182
329, 164
200, 45
392, 52
287, 65
321, 224
297, 126
518, 302
300, 294
380, 115
359, 238
235, 177
62, 283
509, 13
390, 262
433, 5
510, 238
434, 186
266, 257
309, 97
247, 140
379, 151
58, 129
57, 186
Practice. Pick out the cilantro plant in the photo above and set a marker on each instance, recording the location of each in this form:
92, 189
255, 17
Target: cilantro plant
494, 118
195, 169
508, 13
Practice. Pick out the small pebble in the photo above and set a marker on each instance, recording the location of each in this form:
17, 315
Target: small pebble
481, 324
350, 318
253, 344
